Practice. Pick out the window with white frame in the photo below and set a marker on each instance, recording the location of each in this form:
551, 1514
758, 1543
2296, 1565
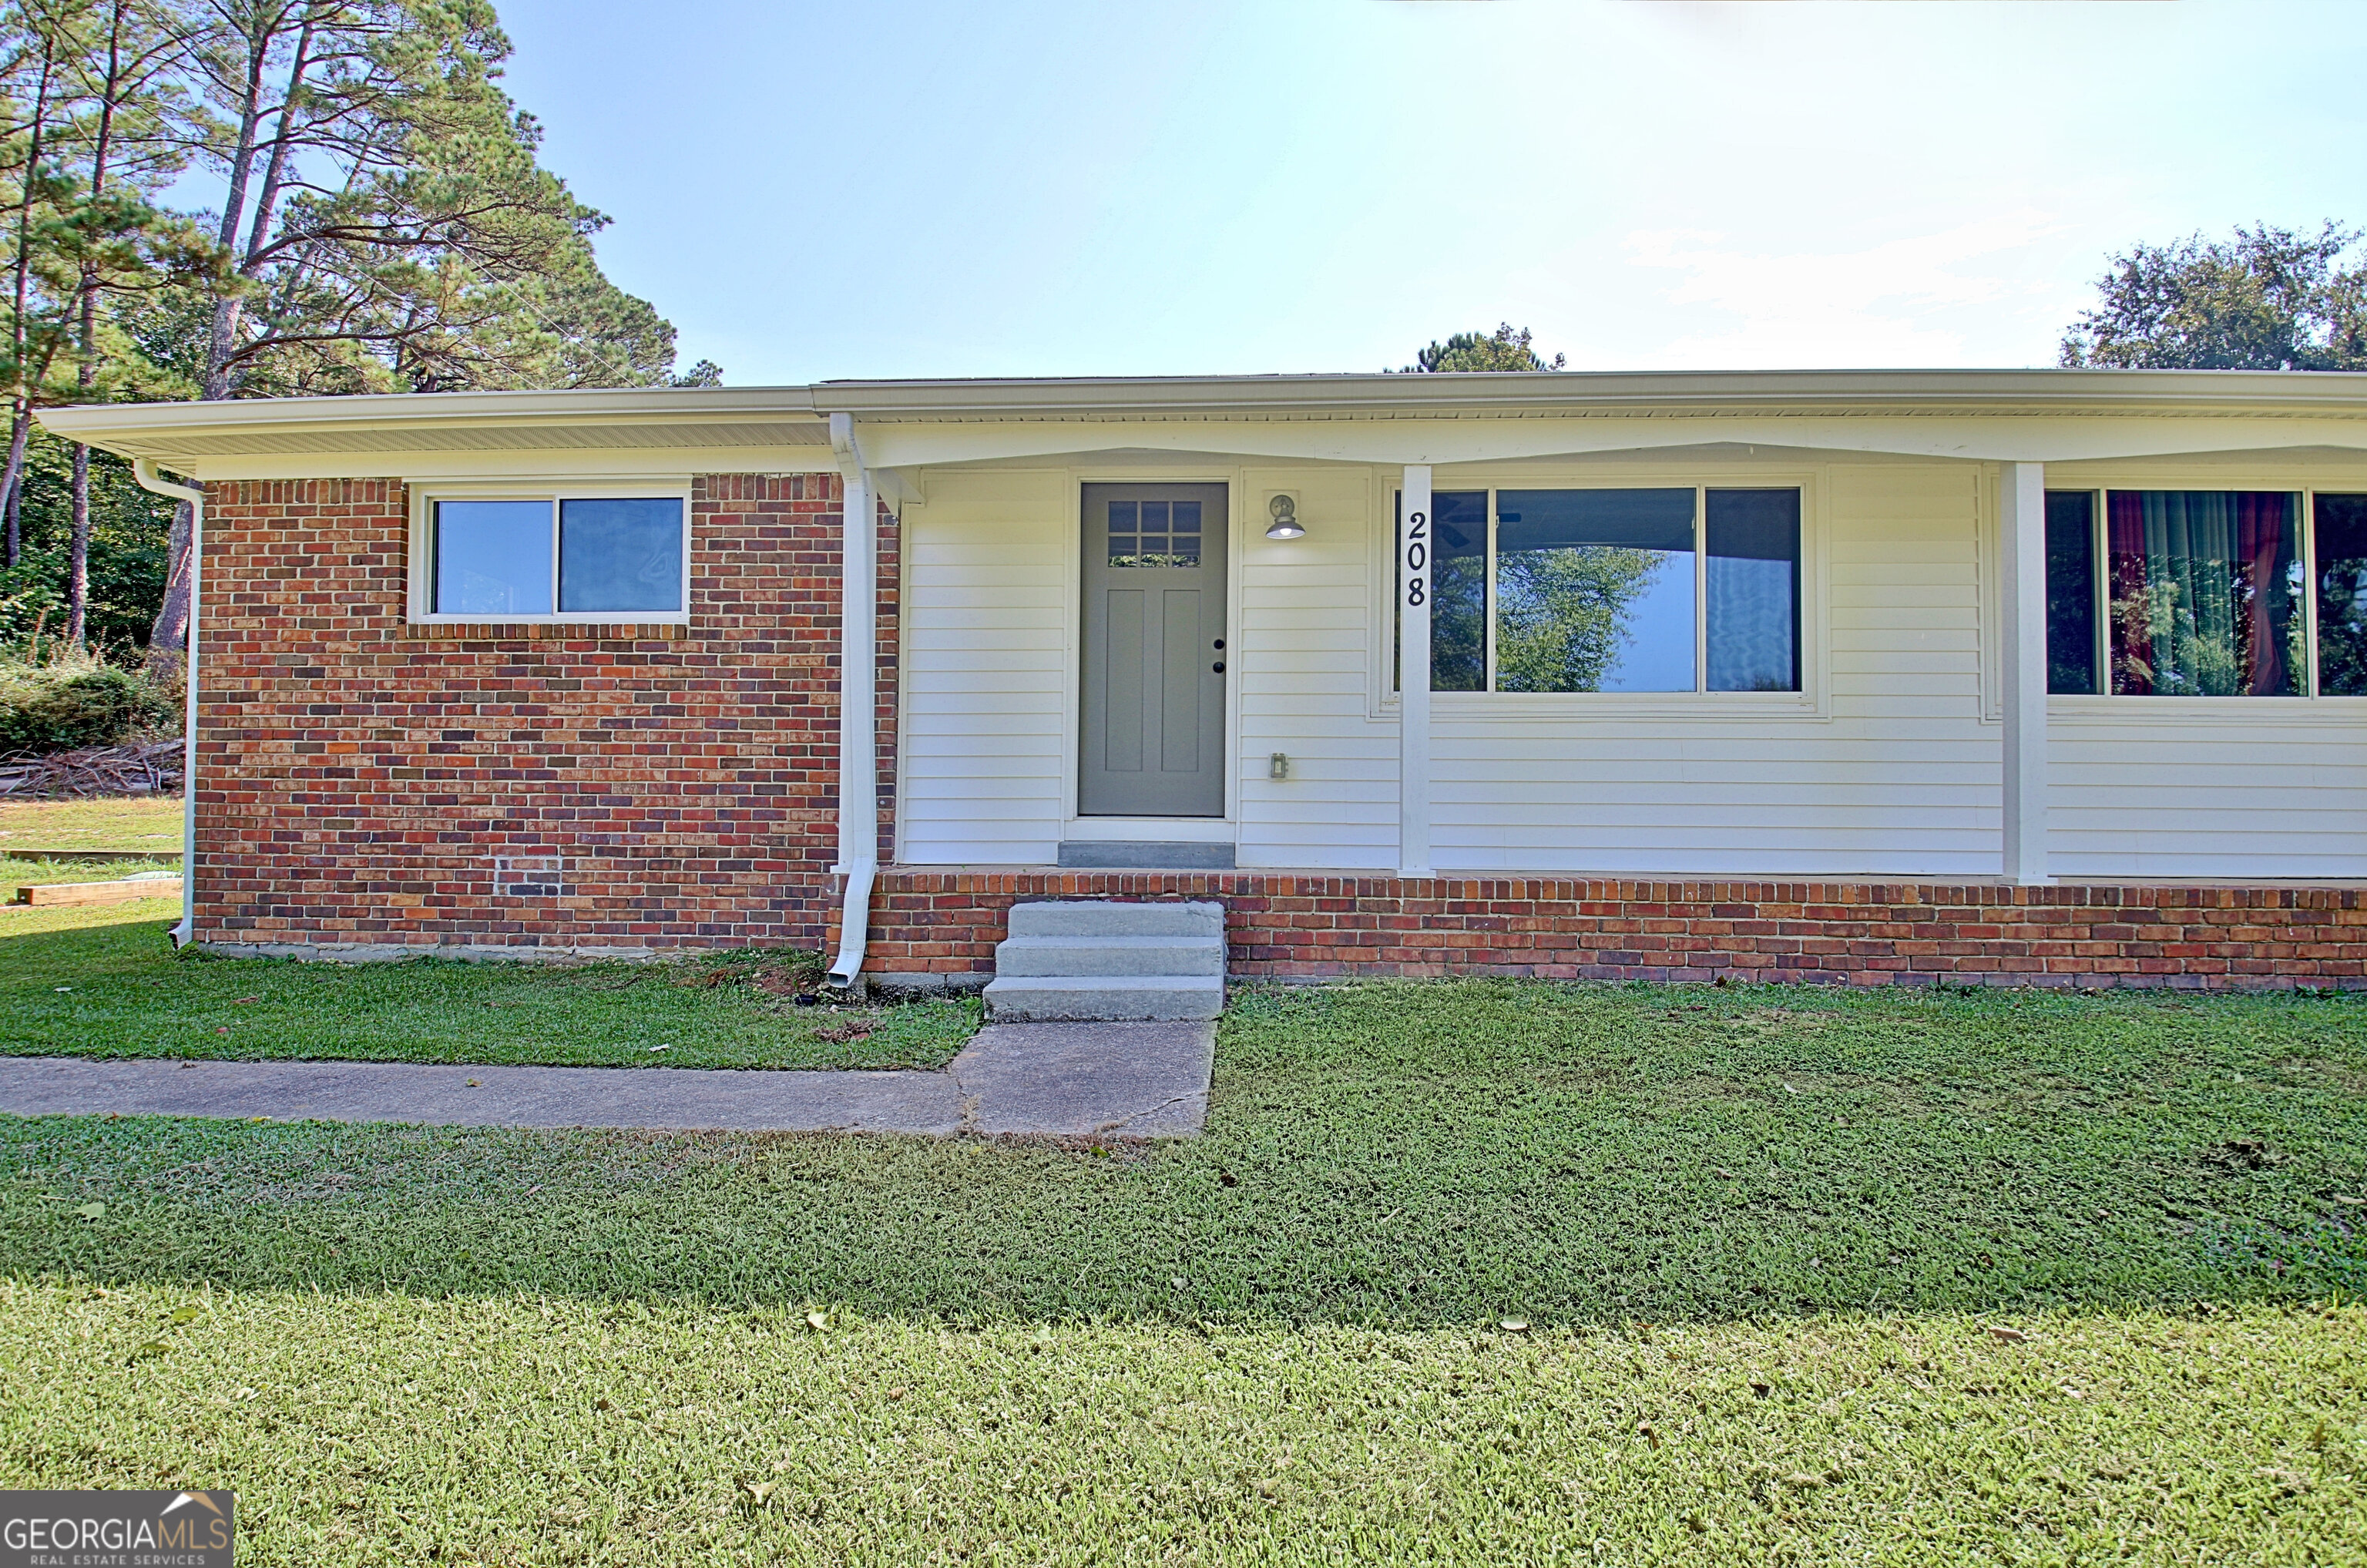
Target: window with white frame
1660, 589
555, 558
2206, 592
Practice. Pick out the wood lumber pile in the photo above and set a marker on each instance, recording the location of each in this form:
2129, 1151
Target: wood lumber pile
149, 769
130, 889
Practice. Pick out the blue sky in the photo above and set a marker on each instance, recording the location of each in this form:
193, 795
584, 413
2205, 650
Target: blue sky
897, 188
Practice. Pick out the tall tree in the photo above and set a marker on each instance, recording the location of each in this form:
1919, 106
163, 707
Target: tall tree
133, 136
1506, 348
389, 226
2267, 300
33, 76
95, 136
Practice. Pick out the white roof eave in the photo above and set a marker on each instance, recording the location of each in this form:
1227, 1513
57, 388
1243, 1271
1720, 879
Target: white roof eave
691, 418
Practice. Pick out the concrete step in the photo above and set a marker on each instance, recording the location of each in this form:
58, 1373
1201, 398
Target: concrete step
1110, 955
1103, 998
1108, 918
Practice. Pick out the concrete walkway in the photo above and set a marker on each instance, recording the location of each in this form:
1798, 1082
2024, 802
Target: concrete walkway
1069, 1079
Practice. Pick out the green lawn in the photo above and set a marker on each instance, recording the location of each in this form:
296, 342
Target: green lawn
108, 984
109, 822
1286, 1341
104, 982
389, 1428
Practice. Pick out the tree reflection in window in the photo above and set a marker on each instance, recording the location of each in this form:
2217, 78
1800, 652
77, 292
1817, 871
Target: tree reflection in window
2342, 596
1594, 590
2206, 592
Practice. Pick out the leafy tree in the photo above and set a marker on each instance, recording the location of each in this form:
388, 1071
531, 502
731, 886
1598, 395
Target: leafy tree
126, 550
1563, 615
98, 129
2267, 300
1503, 349
389, 226
385, 227
135, 132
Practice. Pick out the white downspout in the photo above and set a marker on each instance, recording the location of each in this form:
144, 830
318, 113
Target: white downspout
858, 687
144, 471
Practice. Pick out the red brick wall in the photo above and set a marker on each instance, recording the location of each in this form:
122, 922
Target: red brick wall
357, 776
1285, 924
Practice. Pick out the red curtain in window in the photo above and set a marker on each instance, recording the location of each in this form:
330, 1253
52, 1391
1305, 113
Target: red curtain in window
2199, 593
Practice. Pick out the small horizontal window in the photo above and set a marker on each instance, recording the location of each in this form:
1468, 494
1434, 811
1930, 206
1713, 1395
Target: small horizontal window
573, 556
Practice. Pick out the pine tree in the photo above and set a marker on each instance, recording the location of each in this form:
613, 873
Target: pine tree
1506, 348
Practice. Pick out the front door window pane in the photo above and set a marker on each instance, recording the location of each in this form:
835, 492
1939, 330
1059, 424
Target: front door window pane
1752, 572
2071, 592
2342, 596
493, 558
1594, 590
1154, 533
2206, 593
619, 555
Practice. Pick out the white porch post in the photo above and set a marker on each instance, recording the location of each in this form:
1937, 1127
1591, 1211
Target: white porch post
1413, 575
2021, 539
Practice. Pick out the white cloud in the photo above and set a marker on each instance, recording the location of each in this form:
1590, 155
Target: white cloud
1887, 304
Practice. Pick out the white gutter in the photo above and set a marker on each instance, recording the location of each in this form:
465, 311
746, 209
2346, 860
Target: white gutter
238, 429
145, 473
858, 687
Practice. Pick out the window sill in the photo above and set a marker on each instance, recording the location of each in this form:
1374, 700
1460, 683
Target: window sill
1564, 708
546, 631
2063, 707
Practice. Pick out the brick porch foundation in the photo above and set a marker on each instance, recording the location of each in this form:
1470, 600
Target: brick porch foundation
1305, 926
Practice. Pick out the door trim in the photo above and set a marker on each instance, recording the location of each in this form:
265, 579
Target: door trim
1073, 674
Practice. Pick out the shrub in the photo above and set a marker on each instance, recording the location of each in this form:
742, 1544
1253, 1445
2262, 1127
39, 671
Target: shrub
57, 706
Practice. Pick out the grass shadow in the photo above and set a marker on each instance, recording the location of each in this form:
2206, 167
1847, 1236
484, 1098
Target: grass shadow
115, 989
1400, 1154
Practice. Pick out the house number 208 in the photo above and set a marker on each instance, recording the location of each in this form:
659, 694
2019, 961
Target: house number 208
1417, 556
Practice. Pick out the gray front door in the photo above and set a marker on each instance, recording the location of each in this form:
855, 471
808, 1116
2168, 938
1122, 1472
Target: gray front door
1150, 730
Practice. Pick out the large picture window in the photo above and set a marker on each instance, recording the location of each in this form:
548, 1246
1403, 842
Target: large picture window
556, 557
1661, 589
2206, 593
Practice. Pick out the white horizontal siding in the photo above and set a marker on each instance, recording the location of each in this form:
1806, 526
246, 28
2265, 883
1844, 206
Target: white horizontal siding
1899, 778
2207, 794
985, 709
1306, 616
1896, 777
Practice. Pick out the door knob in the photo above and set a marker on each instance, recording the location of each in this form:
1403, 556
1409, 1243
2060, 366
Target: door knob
1219, 666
